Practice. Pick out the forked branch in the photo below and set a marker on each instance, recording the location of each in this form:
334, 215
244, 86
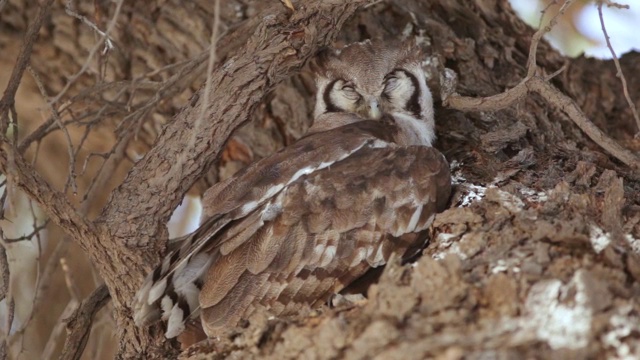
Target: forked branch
534, 82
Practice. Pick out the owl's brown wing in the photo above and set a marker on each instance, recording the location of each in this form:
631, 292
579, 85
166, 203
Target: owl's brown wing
171, 291
296, 226
322, 232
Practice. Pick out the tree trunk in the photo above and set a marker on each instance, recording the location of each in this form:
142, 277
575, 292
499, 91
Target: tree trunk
537, 255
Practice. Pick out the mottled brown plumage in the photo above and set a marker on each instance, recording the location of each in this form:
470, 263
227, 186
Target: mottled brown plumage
294, 228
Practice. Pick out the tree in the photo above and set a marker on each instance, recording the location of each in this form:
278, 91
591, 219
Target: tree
544, 260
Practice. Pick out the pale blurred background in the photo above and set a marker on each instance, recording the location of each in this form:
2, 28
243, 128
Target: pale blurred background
579, 31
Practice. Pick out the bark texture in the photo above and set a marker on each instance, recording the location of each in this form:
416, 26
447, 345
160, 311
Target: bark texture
537, 256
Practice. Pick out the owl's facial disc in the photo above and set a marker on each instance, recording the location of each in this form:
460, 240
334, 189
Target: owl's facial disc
365, 81
401, 93
344, 96
398, 92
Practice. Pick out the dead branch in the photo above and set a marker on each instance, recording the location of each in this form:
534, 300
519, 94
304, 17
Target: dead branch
42, 287
104, 39
80, 322
57, 330
36, 230
278, 45
554, 96
24, 177
8, 99
620, 74
569, 106
212, 61
4, 292
540, 85
18, 172
71, 180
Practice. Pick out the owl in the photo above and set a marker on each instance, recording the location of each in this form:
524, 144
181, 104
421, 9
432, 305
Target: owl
291, 230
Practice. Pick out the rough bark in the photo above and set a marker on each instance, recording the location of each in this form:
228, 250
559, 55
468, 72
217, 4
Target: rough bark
523, 246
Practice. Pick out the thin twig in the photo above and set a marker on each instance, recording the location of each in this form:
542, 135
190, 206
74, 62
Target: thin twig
107, 40
571, 108
71, 179
10, 304
113, 158
19, 333
69, 280
619, 74
79, 323
212, 60
4, 272
58, 329
616, 5
71, 309
36, 231
535, 40
43, 280
562, 69
550, 93
72, 79
8, 99
3, 200
24, 177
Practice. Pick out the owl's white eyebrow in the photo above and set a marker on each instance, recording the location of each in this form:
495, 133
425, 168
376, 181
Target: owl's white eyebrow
413, 104
327, 97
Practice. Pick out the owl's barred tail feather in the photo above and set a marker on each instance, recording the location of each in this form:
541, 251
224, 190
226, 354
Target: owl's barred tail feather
172, 290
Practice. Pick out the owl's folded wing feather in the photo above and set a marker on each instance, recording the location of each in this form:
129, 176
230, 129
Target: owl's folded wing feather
323, 231
170, 288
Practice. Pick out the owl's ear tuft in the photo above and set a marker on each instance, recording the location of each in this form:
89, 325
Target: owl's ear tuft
320, 64
409, 51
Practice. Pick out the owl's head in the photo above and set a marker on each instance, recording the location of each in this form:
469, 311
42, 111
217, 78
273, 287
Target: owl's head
373, 81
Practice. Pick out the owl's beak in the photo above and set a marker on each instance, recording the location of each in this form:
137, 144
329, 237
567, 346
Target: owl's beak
374, 110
